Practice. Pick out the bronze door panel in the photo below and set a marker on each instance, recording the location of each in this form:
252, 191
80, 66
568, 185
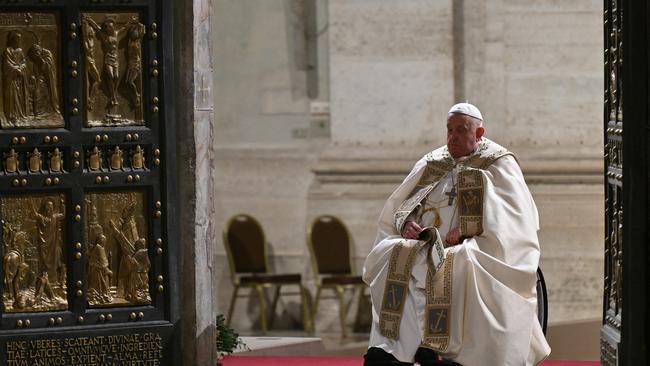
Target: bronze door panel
33, 262
118, 256
112, 51
31, 69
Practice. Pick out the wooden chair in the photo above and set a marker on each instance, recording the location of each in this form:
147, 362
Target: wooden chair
246, 247
542, 301
331, 247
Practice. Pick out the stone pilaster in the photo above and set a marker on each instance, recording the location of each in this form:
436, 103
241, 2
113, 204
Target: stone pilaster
196, 153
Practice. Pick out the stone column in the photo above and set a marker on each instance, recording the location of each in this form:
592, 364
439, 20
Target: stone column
194, 105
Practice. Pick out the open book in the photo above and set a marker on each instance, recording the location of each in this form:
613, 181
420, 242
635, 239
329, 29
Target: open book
431, 236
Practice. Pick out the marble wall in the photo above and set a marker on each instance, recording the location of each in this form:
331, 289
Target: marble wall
393, 68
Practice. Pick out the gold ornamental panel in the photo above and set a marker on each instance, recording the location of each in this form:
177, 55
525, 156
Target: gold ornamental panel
112, 68
30, 92
118, 258
33, 260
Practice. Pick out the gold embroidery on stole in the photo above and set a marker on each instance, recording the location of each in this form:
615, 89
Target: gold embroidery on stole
470, 202
438, 307
434, 171
439, 163
401, 262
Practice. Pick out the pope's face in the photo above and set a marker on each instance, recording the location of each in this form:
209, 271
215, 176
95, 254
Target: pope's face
463, 134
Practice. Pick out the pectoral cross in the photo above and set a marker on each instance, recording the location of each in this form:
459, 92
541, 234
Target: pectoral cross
451, 194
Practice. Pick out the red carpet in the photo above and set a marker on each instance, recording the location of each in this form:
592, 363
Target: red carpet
340, 361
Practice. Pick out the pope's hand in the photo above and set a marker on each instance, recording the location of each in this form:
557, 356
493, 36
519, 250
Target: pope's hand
411, 230
453, 237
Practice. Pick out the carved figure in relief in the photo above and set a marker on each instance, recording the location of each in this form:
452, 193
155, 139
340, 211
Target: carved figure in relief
135, 33
44, 292
99, 274
141, 276
93, 76
56, 160
35, 162
12, 164
134, 267
137, 158
50, 242
127, 222
13, 263
108, 34
128, 228
95, 159
46, 98
116, 159
14, 80
94, 229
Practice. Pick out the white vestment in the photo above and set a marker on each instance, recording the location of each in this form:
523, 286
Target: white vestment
492, 315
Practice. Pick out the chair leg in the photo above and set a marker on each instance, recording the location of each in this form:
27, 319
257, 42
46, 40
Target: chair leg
307, 321
263, 310
340, 292
315, 309
274, 304
232, 304
356, 317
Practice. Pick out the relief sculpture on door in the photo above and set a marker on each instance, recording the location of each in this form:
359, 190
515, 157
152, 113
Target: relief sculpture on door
33, 263
112, 49
118, 256
30, 65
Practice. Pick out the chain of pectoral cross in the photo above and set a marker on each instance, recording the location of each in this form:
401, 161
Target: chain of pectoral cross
451, 194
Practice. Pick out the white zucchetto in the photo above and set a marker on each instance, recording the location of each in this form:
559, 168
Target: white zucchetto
467, 109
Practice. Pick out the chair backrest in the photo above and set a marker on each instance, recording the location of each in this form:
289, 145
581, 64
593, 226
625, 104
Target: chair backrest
542, 301
330, 246
245, 244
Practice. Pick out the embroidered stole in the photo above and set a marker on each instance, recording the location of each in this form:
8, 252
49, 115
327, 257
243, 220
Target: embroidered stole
439, 164
438, 306
438, 288
470, 202
400, 266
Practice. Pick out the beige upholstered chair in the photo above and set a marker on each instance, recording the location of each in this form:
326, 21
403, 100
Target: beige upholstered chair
246, 247
330, 246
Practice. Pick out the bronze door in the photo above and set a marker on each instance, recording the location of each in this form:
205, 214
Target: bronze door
611, 330
85, 182
626, 309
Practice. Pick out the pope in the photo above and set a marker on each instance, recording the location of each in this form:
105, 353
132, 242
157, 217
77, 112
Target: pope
467, 296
